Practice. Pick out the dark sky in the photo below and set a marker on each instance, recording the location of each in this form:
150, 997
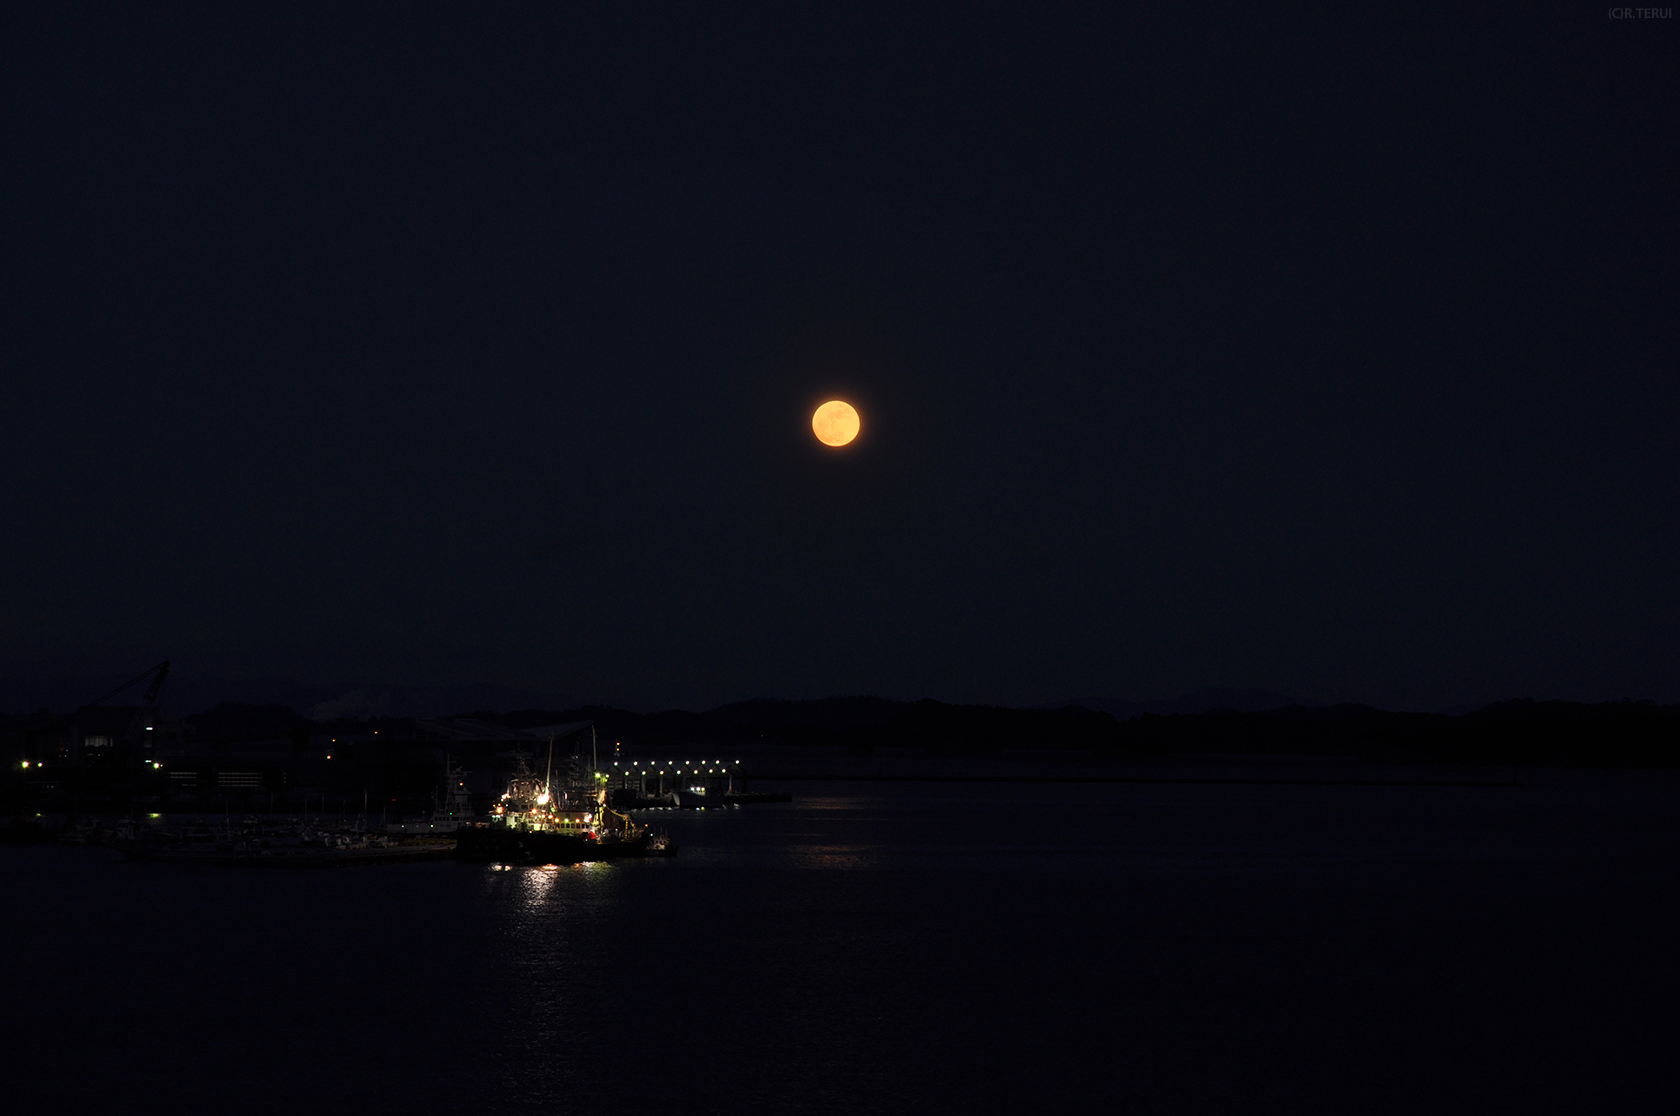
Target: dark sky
1334, 354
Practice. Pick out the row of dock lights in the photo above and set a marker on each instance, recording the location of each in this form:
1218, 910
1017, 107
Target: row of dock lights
681, 770
153, 764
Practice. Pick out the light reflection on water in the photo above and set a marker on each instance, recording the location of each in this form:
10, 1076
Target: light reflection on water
828, 803
937, 948
849, 857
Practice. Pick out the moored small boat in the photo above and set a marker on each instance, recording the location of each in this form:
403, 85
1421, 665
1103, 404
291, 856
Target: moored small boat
307, 851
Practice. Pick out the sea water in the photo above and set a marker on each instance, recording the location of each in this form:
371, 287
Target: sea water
894, 947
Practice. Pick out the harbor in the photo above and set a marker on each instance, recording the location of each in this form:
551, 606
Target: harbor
869, 919
263, 787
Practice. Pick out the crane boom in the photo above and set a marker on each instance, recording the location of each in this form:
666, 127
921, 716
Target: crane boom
156, 688
161, 670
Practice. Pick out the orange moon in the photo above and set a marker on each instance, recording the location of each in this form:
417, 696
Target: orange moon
835, 423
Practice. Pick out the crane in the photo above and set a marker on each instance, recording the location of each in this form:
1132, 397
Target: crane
145, 717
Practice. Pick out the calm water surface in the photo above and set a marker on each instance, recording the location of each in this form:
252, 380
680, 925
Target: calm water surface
892, 947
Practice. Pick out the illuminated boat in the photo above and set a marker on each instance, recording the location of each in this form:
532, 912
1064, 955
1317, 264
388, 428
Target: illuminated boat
538, 823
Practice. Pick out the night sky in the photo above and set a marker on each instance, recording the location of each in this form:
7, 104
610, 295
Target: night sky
1337, 355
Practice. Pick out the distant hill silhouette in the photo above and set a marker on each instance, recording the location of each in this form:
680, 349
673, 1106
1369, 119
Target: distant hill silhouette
1624, 733
1205, 700
1611, 734
858, 723
244, 719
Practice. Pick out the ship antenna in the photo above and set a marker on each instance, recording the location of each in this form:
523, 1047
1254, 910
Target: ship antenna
548, 779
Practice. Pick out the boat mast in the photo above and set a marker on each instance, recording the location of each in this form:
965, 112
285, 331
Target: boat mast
598, 791
548, 779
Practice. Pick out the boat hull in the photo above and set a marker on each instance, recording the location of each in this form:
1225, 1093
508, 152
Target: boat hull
526, 846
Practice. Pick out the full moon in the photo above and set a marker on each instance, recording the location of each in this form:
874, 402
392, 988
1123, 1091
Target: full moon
835, 423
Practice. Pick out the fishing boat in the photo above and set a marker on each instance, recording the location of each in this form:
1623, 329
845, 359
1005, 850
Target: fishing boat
448, 814
539, 821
